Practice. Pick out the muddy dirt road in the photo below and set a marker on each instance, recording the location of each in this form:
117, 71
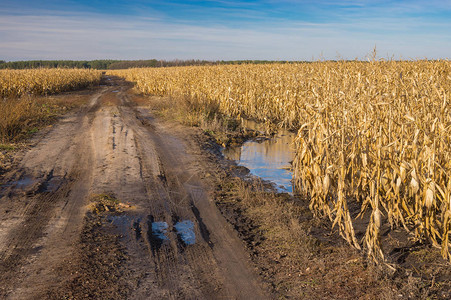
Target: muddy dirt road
168, 241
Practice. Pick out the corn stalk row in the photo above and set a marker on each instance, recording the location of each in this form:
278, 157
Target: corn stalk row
17, 83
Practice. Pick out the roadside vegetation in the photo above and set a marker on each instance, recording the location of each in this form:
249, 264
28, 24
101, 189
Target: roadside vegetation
301, 258
18, 83
373, 145
25, 104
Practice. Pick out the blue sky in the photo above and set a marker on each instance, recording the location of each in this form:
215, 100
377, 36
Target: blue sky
224, 29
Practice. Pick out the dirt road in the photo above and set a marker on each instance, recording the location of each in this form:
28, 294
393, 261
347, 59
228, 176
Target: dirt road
168, 241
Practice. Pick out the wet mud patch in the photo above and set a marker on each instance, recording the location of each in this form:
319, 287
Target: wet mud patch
185, 232
30, 185
125, 224
138, 229
23, 184
51, 184
98, 268
203, 228
157, 233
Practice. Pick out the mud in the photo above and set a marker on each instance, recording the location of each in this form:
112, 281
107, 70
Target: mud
185, 232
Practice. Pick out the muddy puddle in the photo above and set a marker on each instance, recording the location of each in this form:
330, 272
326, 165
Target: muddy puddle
269, 159
185, 231
52, 185
22, 183
26, 182
159, 230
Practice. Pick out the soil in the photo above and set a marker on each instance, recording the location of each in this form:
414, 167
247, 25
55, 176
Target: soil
114, 203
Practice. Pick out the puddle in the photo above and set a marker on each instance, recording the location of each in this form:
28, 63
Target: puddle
159, 230
269, 159
21, 183
185, 230
137, 228
26, 181
156, 234
52, 185
116, 91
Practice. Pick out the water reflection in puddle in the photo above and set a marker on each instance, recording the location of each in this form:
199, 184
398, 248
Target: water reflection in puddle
185, 230
24, 182
269, 159
159, 230
21, 183
52, 185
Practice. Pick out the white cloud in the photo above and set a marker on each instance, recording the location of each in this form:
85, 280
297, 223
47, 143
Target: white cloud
94, 36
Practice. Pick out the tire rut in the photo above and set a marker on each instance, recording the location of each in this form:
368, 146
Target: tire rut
44, 210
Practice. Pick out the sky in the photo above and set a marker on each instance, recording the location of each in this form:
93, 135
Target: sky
224, 29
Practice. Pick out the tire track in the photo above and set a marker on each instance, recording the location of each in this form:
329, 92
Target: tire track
46, 209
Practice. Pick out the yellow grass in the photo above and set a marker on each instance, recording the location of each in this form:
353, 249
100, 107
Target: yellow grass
20, 111
375, 136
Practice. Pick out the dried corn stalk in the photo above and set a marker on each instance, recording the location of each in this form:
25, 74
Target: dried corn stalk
369, 138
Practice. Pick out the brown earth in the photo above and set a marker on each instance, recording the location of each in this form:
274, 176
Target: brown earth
56, 242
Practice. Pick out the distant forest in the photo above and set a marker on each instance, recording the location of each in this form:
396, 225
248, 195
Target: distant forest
108, 64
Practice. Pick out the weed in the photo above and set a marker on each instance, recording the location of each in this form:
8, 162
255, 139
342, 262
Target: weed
104, 202
7, 147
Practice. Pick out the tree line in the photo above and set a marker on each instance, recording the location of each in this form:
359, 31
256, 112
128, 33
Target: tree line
36, 64
109, 64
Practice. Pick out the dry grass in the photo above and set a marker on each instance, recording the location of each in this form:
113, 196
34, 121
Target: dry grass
224, 129
26, 115
15, 116
104, 202
373, 137
22, 111
300, 257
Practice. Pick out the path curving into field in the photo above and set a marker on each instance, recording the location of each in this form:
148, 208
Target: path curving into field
175, 243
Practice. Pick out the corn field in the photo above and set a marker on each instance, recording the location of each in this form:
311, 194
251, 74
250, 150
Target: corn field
16, 83
373, 142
